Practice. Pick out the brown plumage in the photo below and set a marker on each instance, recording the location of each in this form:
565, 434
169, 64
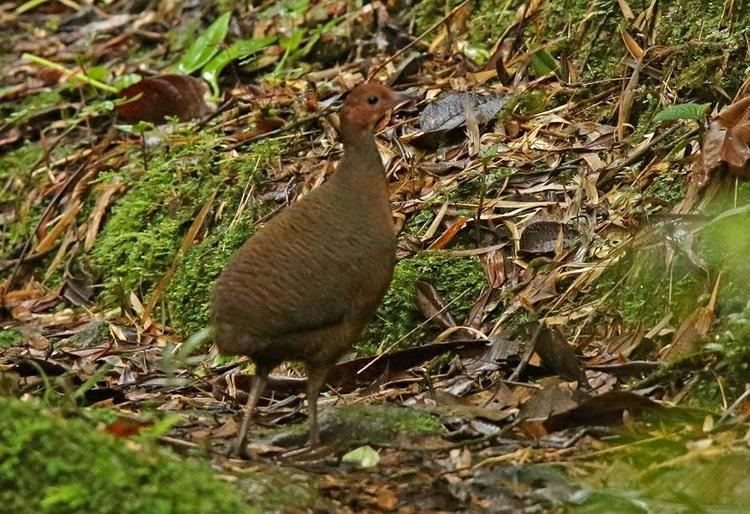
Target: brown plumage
306, 284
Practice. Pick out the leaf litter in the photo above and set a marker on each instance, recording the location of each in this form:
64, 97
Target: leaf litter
527, 175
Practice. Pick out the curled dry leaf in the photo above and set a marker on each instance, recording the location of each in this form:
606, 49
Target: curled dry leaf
165, 95
433, 305
605, 409
728, 140
559, 356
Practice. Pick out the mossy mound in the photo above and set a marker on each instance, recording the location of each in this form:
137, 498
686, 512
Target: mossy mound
352, 425
379, 424
460, 280
698, 33
15, 173
9, 337
49, 464
142, 236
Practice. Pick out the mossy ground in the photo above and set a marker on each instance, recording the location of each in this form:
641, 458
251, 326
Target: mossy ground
351, 425
15, 171
9, 337
380, 424
50, 464
141, 238
142, 233
458, 280
676, 272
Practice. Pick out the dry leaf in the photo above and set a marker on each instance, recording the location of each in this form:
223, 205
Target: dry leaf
433, 305
633, 48
166, 95
67, 218
728, 140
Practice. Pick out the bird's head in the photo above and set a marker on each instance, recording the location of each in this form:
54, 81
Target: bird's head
367, 104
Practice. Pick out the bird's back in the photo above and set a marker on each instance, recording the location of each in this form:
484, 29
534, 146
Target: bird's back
311, 278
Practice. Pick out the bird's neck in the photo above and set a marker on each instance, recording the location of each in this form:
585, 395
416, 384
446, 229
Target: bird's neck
361, 162
359, 180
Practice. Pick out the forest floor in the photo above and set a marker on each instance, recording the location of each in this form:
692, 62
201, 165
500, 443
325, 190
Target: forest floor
567, 326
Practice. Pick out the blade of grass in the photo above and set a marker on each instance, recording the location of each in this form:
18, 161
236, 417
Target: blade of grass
76, 75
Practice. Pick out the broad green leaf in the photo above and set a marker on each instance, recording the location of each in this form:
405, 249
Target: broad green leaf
99, 73
543, 63
362, 457
205, 46
238, 50
126, 80
290, 45
689, 111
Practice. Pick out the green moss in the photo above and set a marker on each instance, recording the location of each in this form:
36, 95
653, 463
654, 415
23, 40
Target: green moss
642, 289
143, 234
188, 295
662, 278
379, 424
398, 314
53, 465
488, 21
15, 171
667, 188
702, 45
30, 105
352, 425
695, 31
9, 337
530, 102
16, 165
275, 488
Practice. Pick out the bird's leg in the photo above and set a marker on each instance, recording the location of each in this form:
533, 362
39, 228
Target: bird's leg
259, 383
315, 379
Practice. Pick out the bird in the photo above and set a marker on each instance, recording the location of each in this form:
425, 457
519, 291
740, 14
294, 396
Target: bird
306, 284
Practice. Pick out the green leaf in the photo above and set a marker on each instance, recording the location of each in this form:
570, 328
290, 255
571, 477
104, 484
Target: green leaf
362, 457
126, 80
489, 153
27, 6
205, 46
689, 111
79, 76
239, 50
289, 44
99, 73
139, 128
543, 63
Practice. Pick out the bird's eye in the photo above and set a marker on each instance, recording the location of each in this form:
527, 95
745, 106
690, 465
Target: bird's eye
372, 100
